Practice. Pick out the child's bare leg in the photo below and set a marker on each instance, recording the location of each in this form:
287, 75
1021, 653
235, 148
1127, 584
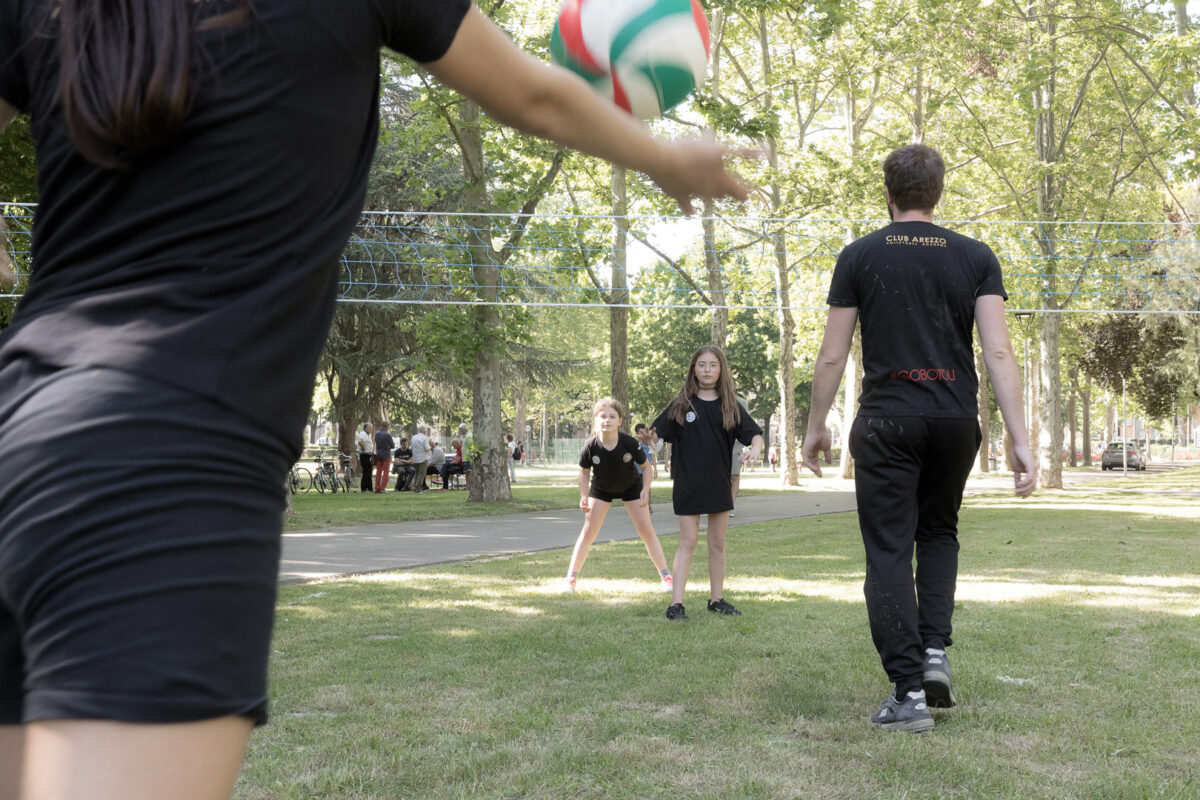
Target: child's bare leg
716, 553
641, 523
591, 527
689, 534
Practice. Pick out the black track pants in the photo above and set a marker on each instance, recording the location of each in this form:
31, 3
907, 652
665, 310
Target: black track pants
909, 474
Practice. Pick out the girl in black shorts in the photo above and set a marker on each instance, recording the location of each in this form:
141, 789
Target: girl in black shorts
201, 166
610, 458
702, 423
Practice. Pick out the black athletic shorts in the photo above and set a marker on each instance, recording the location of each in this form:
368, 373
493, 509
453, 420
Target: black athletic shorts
629, 496
138, 572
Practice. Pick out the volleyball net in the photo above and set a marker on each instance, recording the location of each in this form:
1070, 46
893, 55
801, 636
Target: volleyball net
732, 262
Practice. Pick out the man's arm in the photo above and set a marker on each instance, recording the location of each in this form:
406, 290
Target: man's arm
1006, 383
8, 113
831, 362
554, 103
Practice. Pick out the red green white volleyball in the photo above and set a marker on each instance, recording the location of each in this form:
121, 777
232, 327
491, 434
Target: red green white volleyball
646, 56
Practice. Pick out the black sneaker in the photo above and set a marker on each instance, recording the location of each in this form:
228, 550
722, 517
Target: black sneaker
676, 612
939, 688
723, 606
910, 715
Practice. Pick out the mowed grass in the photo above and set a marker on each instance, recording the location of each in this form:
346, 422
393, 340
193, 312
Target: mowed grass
537, 489
1077, 641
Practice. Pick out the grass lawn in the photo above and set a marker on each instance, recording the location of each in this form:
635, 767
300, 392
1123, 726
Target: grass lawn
537, 489
1077, 643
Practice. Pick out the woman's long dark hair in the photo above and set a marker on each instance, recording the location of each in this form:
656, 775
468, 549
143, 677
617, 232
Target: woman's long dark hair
125, 77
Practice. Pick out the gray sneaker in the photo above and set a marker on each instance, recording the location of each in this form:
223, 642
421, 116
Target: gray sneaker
910, 716
939, 687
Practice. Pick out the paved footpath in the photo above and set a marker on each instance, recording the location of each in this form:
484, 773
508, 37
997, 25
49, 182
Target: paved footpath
315, 555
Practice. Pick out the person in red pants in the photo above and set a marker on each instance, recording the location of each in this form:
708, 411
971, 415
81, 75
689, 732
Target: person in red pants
383, 456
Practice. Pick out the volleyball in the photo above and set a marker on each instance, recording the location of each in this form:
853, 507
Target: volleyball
644, 55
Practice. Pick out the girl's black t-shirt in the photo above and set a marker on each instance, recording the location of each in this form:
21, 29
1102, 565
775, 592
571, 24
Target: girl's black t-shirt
212, 264
613, 471
915, 285
702, 455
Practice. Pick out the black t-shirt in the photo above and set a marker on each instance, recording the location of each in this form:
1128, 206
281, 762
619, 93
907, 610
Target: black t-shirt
213, 264
915, 286
702, 455
403, 454
613, 471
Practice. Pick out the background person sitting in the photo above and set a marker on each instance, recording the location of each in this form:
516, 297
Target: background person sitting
437, 459
404, 467
454, 464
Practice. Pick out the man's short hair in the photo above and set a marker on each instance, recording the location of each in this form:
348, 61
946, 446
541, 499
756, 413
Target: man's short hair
641, 426
914, 176
366, 425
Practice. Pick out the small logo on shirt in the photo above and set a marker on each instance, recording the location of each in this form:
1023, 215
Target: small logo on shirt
924, 375
595, 459
916, 241
690, 416
627, 457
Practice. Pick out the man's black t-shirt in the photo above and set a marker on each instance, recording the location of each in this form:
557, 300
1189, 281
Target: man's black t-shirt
702, 455
915, 286
213, 264
613, 471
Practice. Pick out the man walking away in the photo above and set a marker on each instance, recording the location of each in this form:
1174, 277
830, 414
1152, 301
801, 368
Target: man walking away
916, 289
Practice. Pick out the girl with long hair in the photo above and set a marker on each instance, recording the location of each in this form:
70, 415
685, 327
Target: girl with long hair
702, 422
617, 468
200, 167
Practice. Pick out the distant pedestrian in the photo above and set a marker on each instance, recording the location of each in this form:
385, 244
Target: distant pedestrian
609, 459
702, 423
366, 456
773, 456
511, 446
420, 457
383, 456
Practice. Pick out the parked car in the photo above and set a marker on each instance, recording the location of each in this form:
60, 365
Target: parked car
1111, 459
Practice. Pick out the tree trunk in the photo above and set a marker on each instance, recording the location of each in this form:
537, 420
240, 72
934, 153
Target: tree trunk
1051, 403
719, 322
789, 474
1046, 148
1072, 424
489, 478
618, 310
1182, 25
1086, 397
716, 280
788, 435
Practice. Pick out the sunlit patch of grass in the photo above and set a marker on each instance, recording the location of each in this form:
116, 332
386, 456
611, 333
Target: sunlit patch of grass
1074, 657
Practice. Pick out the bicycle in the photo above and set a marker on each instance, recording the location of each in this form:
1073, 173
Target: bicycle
327, 479
351, 471
299, 479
